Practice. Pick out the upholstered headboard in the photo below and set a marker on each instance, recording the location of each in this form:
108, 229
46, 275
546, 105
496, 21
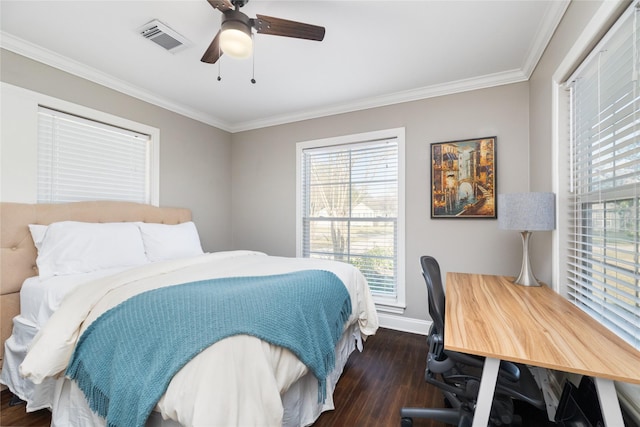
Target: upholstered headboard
18, 253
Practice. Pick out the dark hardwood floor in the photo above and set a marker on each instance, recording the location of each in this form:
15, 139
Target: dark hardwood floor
13, 416
375, 385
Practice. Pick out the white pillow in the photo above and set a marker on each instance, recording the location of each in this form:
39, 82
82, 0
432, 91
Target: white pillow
71, 247
163, 241
37, 234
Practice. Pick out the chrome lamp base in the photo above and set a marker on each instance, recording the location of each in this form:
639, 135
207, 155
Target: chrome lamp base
526, 277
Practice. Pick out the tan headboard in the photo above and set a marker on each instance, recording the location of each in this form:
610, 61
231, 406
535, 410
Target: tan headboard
18, 253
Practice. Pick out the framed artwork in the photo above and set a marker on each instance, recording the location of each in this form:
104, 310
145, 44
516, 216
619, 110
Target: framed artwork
463, 179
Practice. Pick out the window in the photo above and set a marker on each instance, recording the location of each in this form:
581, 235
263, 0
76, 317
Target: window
81, 159
603, 270
351, 207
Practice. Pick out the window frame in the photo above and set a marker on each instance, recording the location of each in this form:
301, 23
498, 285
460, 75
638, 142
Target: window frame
392, 305
20, 114
607, 13
584, 292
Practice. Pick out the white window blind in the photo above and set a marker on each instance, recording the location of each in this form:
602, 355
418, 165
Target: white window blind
349, 197
604, 245
81, 159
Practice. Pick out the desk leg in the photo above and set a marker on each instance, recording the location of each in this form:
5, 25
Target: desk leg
485, 395
609, 403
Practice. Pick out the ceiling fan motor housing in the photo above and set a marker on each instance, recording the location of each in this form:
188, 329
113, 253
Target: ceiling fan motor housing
234, 19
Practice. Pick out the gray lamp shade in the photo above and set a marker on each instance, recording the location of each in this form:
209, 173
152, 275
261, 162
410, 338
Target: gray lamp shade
526, 211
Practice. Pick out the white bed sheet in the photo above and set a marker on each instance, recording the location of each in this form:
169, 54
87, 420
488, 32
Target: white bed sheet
39, 298
296, 412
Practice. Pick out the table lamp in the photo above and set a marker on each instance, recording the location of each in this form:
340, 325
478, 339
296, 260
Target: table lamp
526, 212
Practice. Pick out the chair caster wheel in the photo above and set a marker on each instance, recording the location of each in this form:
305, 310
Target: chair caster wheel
406, 422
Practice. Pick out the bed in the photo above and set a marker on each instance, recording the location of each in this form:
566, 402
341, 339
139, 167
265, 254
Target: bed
241, 378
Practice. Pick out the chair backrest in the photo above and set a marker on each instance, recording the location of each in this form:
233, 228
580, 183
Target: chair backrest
435, 290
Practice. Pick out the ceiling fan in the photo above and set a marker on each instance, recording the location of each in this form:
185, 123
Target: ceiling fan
234, 37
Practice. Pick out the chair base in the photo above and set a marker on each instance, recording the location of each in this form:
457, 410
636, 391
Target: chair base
448, 416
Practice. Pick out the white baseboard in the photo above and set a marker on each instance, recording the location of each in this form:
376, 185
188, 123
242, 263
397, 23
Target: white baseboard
404, 324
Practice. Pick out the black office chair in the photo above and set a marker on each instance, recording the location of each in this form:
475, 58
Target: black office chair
458, 375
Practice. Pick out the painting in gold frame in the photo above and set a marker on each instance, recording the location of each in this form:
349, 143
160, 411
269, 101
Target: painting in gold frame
463, 179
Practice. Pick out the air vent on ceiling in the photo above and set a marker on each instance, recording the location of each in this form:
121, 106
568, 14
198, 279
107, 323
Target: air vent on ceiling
163, 36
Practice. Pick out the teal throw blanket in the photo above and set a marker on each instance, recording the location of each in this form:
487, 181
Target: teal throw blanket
126, 358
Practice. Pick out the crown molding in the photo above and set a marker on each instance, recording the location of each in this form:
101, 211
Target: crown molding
553, 16
63, 63
483, 82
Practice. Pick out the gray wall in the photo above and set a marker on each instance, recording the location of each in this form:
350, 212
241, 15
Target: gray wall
264, 173
195, 158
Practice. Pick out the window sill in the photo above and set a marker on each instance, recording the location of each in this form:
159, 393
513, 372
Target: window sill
388, 306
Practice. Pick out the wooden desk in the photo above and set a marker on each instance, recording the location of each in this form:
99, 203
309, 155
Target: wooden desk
492, 317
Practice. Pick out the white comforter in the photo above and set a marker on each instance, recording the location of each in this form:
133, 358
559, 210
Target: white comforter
237, 381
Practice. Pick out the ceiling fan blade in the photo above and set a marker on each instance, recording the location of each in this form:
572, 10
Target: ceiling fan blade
283, 27
213, 52
221, 5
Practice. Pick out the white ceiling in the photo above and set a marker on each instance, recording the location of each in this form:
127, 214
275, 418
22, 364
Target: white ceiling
374, 52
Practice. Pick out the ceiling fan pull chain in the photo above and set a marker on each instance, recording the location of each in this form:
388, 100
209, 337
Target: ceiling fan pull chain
219, 78
253, 59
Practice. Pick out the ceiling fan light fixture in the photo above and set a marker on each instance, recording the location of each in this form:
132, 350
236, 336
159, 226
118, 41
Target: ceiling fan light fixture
235, 36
